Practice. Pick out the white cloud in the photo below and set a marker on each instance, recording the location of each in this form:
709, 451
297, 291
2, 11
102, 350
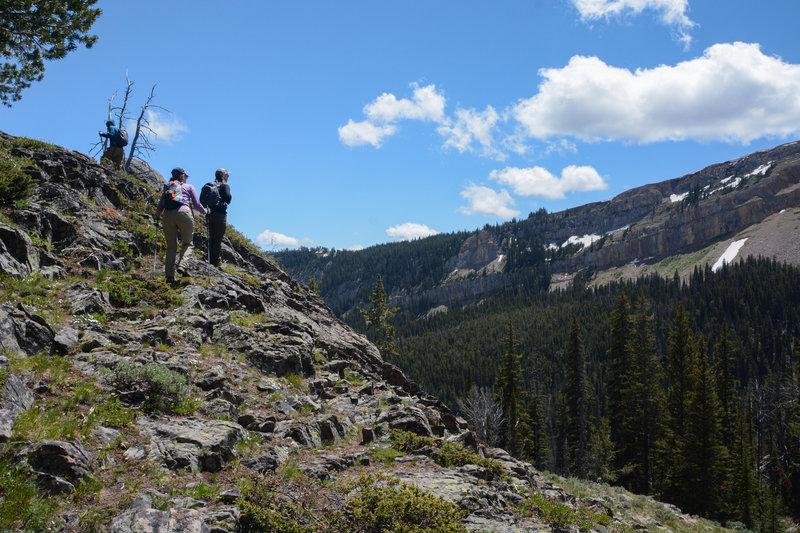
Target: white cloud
382, 114
355, 248
732, 93
488, 202
410, 231
360, 133
672, 12
470, 126
271, 239
426, 105
537, 181
169, 129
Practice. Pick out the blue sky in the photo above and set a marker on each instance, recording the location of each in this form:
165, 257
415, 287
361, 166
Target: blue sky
346, 124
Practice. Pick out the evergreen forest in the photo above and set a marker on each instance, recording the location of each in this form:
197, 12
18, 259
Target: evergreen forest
684, 389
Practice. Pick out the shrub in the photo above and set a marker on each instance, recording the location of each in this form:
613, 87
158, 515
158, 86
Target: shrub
447, 454
385, 504
14, 183
561, 515
266, 509
163, 388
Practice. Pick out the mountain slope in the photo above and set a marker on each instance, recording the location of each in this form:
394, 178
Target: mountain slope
662, 227
234, 401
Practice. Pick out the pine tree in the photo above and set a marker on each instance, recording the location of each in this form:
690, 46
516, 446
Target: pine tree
33, 32
681, 371
576, 395
702, 448
507, 387
647, 397
621, 425
536, 442
377, 319
744, 494
732, 450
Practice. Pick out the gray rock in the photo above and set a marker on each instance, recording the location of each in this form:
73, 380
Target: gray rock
263, 463
106, 435
155, 521
220, 409
60, 458
213, 378
22, 332
65, 340
15, 398
192, 443
407, 418
89, 301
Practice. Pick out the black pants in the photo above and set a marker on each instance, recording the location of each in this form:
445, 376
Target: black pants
216, 230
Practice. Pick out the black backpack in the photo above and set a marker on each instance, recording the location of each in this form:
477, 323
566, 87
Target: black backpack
122, 136
209, 195
173, 195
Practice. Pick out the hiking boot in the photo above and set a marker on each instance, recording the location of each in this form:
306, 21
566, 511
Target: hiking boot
181, 270
171, 280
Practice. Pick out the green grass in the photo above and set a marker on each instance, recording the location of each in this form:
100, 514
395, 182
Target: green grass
23, 506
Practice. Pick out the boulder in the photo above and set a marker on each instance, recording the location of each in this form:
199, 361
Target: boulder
64, 459
192, 443
406, 418
15, 398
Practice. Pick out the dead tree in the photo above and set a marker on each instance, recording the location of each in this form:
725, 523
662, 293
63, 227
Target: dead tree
483, 413
141, 145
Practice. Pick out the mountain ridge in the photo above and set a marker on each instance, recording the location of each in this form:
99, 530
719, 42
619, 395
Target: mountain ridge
641, 227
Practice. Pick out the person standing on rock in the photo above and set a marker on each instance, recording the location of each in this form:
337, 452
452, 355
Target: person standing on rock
116, 144
176, 207
216, 195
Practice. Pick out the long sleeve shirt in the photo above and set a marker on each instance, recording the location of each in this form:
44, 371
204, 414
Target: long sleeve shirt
189, 195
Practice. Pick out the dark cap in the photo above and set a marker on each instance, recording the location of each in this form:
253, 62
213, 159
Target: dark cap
177, 172
220, 173
109, 122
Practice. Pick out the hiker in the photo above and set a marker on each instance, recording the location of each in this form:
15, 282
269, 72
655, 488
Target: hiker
216, 196
176, 205
117, 139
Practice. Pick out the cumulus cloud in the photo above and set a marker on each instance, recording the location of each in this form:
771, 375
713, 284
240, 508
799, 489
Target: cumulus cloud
361, 133
426, 105
472, 126
671, 12
488, 202
167, 128
410, 231
537, 181
271, 239
732, 93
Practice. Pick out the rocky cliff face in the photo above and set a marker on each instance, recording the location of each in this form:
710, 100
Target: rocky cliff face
644, 226
131, 405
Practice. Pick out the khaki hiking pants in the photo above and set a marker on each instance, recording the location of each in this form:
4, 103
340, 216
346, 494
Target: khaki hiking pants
176, 222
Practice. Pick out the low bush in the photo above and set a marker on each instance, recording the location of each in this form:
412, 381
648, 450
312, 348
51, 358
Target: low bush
15, 184
164, 389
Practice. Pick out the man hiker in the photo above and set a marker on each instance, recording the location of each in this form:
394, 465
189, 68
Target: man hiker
216, 196
176, 206
116, 144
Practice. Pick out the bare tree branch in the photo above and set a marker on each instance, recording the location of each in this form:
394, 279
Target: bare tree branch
483, 414
142, 144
